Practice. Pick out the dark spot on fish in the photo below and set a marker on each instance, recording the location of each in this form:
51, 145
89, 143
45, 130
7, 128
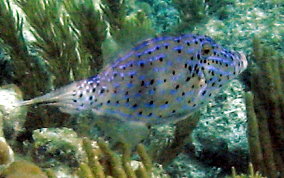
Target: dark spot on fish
102, 104
117, 102
160, 116
191, 58
234, 73
140, 113
75, 101
90, 98
174, 72
115, 91
161, 59
149, 52
203, 93
139, 91
202, 68
131, 76
142, 83
179, 51
220, 85
141, 64
108, 101
123, 68
196, 42
151, 63
157, 48
127, 100
134, 105
198, 56
213, 84
131, 65
165, 80
178, 41
227, 65
96, 100
166, 102
194, 105
173, 111
151, 102
188, 101
114, 75
177, 86
190, 68
126, 93
188, 78
183, 93
188, 43
81, 95
210, 94
185, 65
102, 91
152, 82
150, 114
139, 56
167, 46
192, 86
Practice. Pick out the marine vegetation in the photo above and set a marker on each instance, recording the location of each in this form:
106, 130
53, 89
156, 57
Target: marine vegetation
265, 113
103, 162
251, 173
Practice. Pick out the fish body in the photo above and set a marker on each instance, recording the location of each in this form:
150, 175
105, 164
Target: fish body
161, 80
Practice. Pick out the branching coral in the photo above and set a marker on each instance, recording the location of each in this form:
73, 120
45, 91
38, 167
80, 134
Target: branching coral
265, 110
251, 174
103, 162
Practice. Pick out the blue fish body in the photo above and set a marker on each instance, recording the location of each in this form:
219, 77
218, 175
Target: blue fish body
162, 80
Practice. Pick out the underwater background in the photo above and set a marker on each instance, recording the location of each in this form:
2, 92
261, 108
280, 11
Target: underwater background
45, 44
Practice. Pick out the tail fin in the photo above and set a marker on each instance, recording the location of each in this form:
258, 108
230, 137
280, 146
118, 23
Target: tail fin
62, 97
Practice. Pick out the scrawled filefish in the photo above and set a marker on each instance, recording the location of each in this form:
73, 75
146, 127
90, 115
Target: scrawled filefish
160, 80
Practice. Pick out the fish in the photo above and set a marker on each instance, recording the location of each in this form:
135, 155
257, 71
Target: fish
161, 80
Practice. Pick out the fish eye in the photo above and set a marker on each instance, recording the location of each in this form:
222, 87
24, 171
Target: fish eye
206, 49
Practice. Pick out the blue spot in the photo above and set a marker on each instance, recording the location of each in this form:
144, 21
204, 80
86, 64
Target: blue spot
129, 85
151, 92
173, 92
137, 95
142, 77
156, 69
169, 63
179, 99
164, 106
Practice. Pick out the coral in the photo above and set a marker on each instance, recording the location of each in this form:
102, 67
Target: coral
25, 65
5, 67
91, 27
6, 154
55, 147
251, 174
55, 40
13, 117
23, 169
265, 110
102, 162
